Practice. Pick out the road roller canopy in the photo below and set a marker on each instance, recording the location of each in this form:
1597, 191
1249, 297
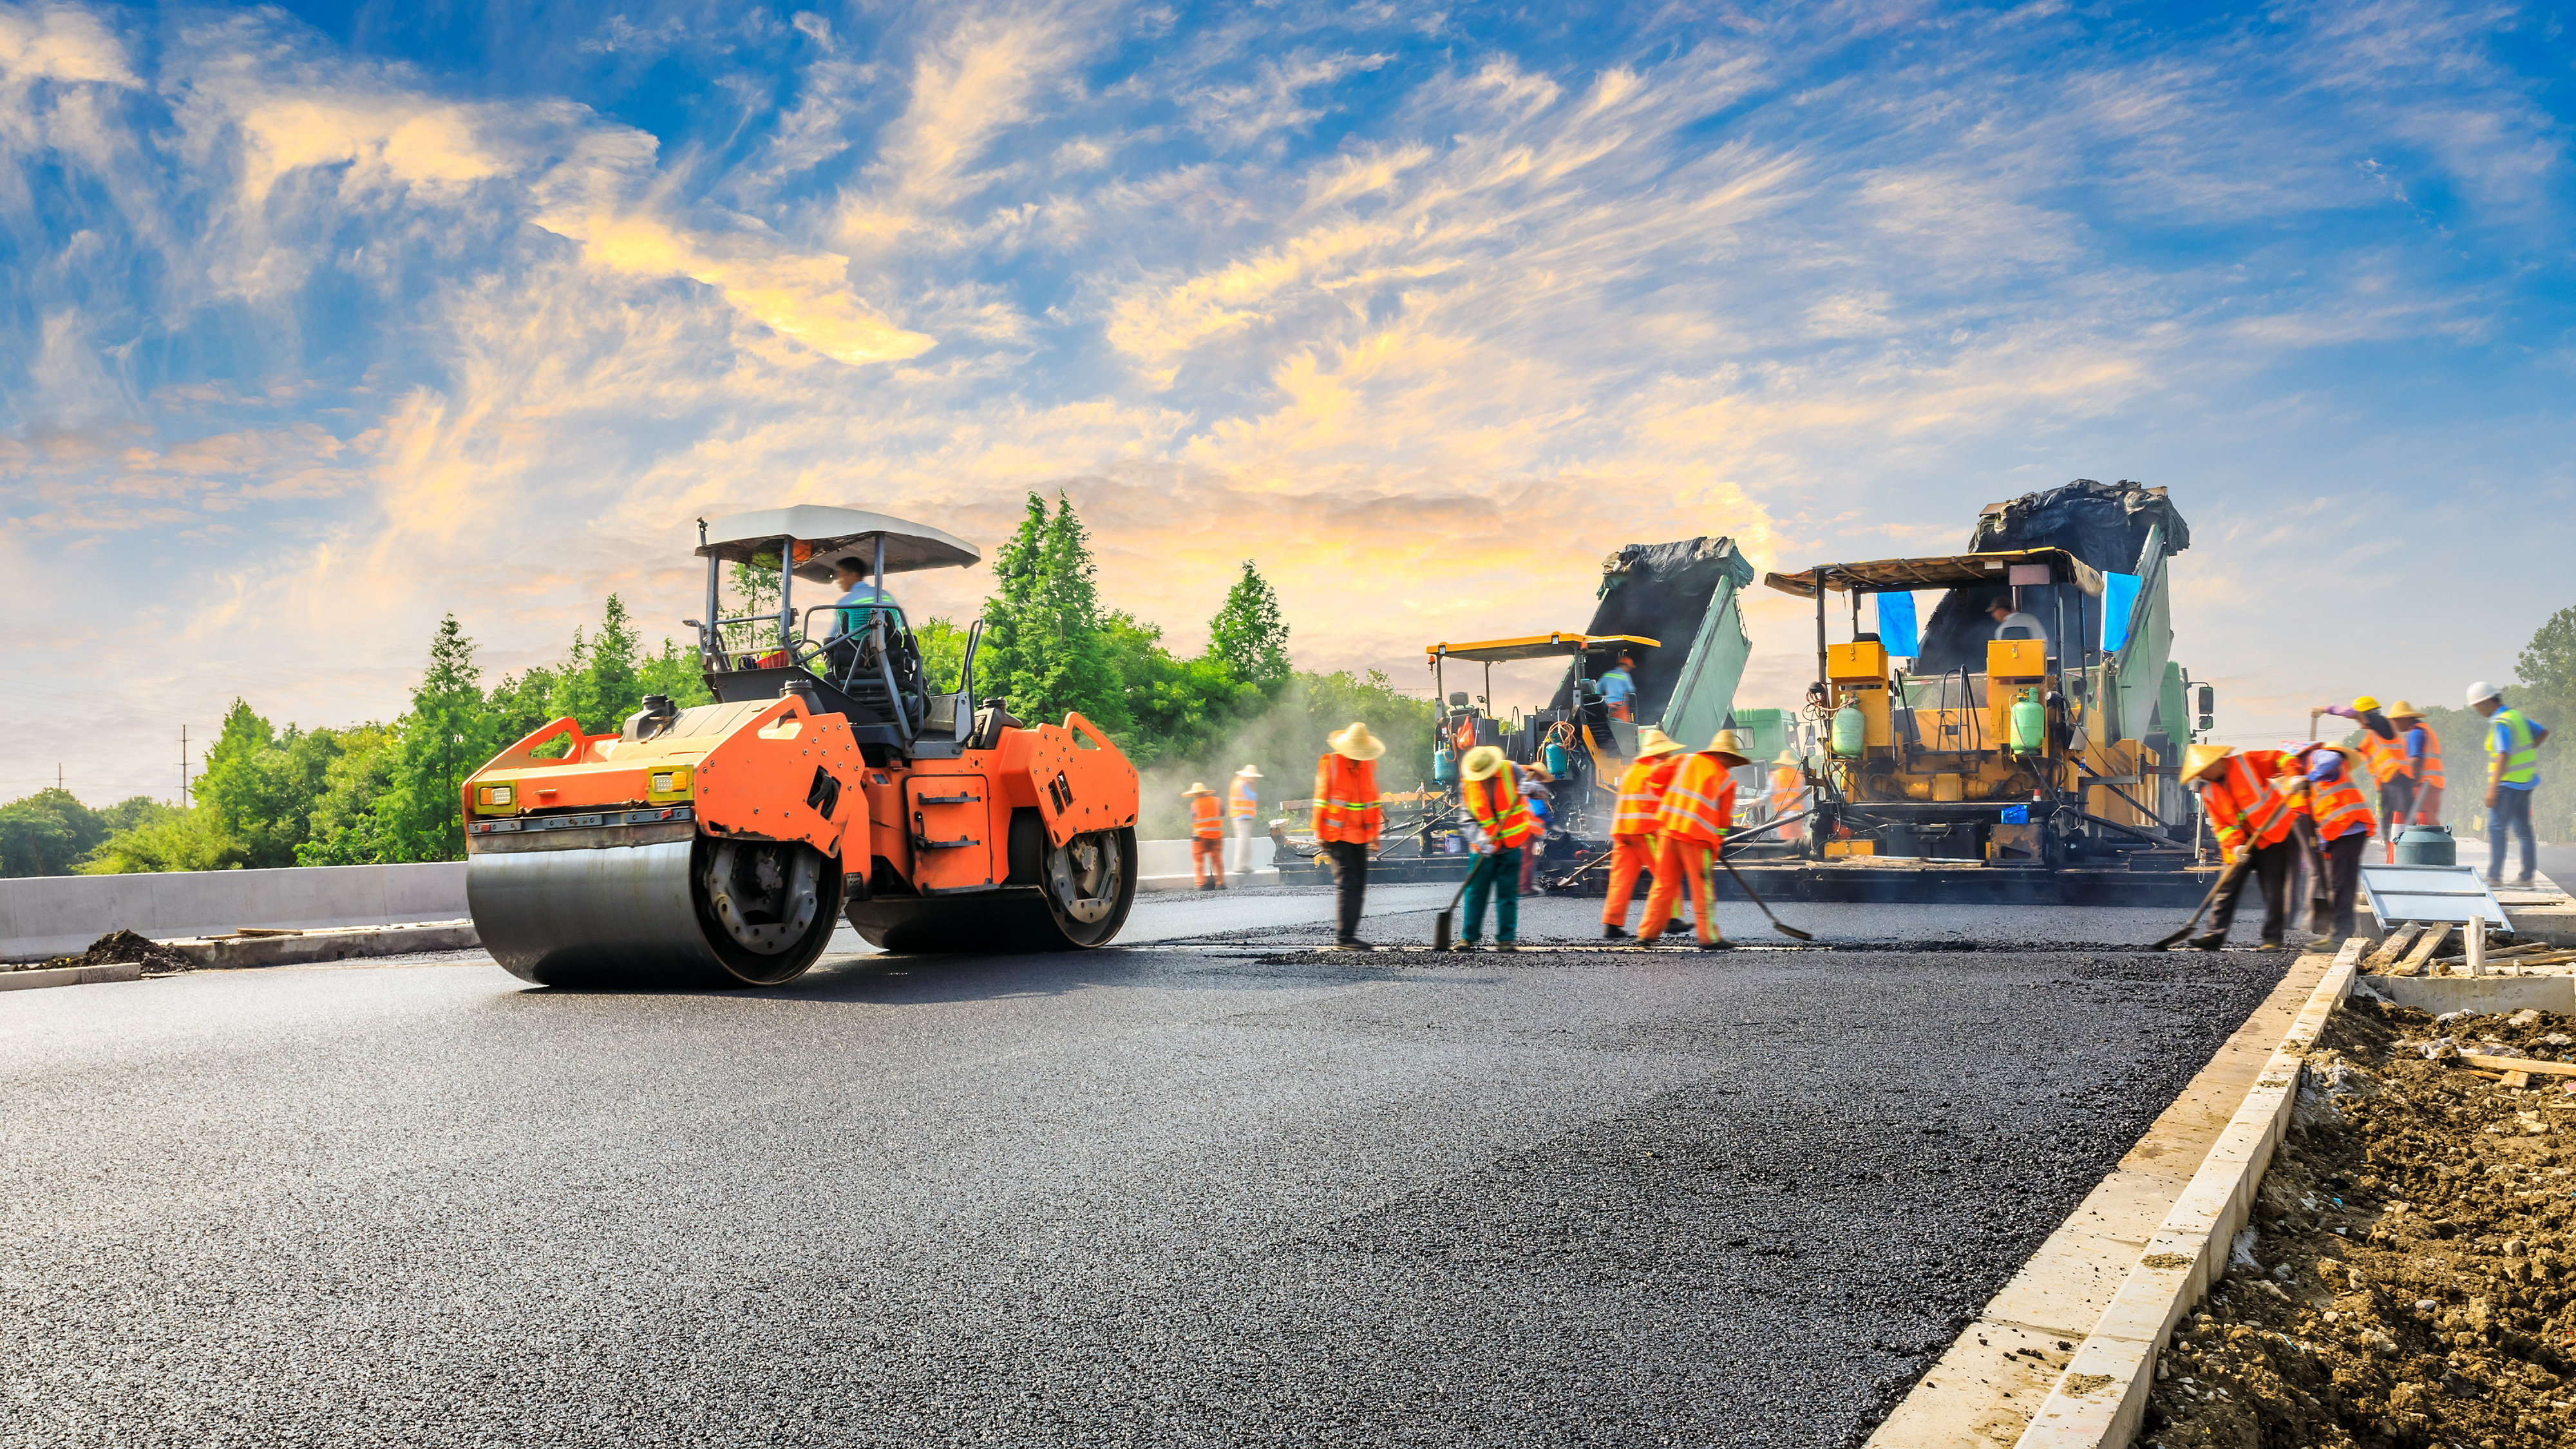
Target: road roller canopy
1947, 571
1539, 646
823, 534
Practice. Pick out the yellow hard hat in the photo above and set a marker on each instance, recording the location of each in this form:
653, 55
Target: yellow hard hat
2199, 760
2366, 702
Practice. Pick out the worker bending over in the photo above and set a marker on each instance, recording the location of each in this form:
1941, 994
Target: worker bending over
1632, 829
2342, 819
1504, 825
2383, 751
2251, 798
1699, 806
1788, 790
2513, 773
1207, 837
1242, 803
1347, 821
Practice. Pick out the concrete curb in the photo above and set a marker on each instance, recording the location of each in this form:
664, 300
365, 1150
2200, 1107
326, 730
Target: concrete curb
2101, 1398
69, 976
341, 944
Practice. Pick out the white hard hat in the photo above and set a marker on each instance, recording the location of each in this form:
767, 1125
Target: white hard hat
2483, 690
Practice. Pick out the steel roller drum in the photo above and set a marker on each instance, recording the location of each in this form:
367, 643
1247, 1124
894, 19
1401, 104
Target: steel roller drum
560, 917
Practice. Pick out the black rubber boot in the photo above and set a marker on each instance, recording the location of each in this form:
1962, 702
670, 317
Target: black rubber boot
1614, 933
2207, 941
1352, 943
1720, 944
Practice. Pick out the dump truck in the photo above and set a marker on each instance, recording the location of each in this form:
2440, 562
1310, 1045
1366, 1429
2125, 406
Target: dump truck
830, 780
2045, 740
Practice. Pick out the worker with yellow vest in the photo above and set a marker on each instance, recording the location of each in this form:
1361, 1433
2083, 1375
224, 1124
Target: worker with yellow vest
1207, 836
2252, 799
2343, 823
1788, 789
1347, 821
2423, 763
1632, 829
1503, 825
2513, 773
1698, 810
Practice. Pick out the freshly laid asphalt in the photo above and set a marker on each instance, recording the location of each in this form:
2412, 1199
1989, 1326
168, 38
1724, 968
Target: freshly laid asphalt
1206, 1189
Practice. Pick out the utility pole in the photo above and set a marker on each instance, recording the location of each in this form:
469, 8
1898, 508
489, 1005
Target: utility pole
183, 767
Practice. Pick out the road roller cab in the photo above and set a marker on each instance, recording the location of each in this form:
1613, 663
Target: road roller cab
831, 779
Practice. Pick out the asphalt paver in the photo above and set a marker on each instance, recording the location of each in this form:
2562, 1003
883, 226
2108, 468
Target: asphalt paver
1211, 1189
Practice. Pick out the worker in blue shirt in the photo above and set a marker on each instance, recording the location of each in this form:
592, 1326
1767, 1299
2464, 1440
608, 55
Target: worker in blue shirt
1619, 688
852, 619
2513, 772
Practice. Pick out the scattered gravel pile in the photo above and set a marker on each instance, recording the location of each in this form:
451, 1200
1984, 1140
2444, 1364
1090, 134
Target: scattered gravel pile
116, 948
2408, 1280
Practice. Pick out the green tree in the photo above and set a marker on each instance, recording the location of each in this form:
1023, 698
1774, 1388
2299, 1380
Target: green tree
169, 839
1248, 636
48, 833
674, 672
344, 828
943, 655
261, 785
599, 684
450, 730
1043, 645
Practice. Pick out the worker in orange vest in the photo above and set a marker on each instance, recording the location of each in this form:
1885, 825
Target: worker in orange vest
2252, 799
1207, 836
2423, 763
2343, 823
1698, 808
2383, 751
1503, 825
1347, 821
1788, 789
1632, 828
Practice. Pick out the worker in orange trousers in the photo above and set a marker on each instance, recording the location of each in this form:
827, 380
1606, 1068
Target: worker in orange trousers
1632, 829
1698, 809
1207, 837
1788, 790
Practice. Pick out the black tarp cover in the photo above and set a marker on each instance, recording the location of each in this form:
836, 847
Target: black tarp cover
2104, 524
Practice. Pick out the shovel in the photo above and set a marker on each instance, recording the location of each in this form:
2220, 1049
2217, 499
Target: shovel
1791, 932
2167, 943
1440, 922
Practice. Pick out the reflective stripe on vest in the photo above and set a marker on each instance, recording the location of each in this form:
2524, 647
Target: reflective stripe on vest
1207, 817
2386, 758
2245, 803
1700, 802
2338, 807
1786, 786
1641, 795
1346, 806
2521, 764
1242, 801
2429, 773
1499, 809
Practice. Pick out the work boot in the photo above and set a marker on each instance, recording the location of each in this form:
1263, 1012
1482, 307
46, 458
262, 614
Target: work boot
2207, 941
2270, 946
2524, 882
1507, 945
1614, 933
1719, 943
1676, 926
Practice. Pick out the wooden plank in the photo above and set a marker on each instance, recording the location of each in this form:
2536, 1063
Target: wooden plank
2518, 1064
2424, 949
2390, 949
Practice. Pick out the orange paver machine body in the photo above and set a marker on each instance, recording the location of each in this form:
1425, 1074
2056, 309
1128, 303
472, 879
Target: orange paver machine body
829, 780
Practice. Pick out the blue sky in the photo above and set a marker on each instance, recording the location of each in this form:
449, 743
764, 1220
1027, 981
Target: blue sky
325, 320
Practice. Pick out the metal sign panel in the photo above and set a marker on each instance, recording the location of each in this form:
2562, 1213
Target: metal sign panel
2429, 893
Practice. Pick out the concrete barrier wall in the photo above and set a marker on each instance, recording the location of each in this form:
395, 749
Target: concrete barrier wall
59, 915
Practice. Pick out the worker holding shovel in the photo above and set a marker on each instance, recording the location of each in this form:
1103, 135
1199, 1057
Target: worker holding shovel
2252, 797
1698, 809
1632, 829
1505, 825
1348, 819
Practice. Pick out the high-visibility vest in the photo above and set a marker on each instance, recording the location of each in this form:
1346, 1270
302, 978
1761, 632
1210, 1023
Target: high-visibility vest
2338, 808
2248, 805
1700, 802
2386, 758
2519, 763
1498, 808
1346, 805
1242, 799
1207, 817
1786, 786
1641, 795
2429, 773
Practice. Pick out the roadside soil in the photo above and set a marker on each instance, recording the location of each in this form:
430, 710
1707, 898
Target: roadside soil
2408, 1280
116, 948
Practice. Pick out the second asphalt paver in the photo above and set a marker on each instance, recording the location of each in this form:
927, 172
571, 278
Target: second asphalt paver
1209, 1191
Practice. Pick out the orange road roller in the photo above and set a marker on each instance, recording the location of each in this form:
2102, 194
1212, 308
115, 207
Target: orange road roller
721, 844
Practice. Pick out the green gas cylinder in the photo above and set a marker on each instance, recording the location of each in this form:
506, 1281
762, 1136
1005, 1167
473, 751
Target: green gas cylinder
1556, 761
2029, 722
2427, 845
1850, 732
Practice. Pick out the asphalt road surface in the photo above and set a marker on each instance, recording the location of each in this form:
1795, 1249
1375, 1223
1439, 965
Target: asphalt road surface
1202, 1190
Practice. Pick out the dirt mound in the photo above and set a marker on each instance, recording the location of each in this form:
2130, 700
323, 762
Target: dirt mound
118, 947
2409, 1278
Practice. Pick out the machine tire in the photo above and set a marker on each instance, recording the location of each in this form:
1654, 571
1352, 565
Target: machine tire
1104, 890
730, 936
1015, 918
642, 916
